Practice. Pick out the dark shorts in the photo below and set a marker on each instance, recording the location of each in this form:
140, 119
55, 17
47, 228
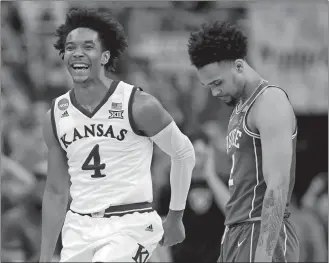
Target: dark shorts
239, 243
201, 252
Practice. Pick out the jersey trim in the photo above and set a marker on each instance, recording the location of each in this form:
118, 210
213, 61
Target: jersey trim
245, 126
53, 122
257, 179
130, 113
232, 115
251, 241
76, 104
260, 86
285, 242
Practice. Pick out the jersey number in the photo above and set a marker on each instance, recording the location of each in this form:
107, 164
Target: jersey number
230, 181
97, 166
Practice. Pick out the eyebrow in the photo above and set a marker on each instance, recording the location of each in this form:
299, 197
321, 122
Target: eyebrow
85, 42
211, 82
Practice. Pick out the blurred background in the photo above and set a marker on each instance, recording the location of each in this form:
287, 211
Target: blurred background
288, 47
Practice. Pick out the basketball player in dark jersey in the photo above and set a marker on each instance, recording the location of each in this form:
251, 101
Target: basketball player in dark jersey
261, 141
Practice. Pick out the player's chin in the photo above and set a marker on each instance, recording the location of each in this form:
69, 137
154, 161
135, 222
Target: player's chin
79, 74
230, 103
79, 78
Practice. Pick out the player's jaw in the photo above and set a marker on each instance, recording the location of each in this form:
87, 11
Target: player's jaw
232, 102
228, 99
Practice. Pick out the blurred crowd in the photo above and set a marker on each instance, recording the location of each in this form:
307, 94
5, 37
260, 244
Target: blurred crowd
33, 75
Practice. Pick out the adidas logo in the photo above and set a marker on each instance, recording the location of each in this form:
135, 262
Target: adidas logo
149, 228
65, 114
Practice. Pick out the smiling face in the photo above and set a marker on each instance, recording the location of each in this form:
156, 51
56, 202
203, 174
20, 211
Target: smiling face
84, 55
225, 80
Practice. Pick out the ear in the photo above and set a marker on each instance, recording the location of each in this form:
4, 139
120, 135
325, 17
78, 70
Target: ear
105, 57
239, 65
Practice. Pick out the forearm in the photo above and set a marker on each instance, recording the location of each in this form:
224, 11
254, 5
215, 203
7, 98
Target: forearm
181, 151
180, 181
274, 204
219, 190
53, 215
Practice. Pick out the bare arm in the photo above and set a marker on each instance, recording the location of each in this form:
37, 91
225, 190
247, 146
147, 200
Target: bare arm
56, 193
156, 122
149, 115
274, 118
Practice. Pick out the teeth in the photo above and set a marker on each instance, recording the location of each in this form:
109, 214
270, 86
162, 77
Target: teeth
80, 65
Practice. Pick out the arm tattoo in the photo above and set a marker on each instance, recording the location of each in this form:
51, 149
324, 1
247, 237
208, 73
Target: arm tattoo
272, 216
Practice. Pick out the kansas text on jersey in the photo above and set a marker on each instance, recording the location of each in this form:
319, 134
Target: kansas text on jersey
109, 160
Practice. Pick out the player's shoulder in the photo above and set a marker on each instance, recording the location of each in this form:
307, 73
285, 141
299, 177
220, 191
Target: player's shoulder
272, 107
272, 98
61, 101
273, 92
148, 114
144, 101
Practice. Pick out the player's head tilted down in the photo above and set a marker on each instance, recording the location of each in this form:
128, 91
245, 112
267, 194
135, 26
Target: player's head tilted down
218, 51
88, 41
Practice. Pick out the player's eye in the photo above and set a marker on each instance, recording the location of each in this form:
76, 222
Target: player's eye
69, 48
89, 47
218, 82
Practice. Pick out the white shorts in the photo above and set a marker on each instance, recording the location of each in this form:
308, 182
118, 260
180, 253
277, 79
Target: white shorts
127, 238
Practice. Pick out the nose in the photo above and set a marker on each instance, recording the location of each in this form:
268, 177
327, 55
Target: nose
78, 53
215, 92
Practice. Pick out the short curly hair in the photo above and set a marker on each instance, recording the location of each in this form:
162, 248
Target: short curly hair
216, 42
110, 32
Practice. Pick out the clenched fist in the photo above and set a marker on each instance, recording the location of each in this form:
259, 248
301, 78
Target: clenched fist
174, 231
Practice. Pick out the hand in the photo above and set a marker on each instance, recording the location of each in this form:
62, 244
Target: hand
174, 231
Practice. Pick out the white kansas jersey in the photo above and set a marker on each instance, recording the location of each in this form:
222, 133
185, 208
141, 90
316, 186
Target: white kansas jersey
109, 160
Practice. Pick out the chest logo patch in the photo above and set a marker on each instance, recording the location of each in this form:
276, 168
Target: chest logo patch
116, 114
232, 140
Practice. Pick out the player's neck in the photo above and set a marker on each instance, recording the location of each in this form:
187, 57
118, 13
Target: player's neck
251, 85
93, 91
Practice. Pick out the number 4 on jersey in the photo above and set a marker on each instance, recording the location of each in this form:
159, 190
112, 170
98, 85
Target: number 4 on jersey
97, 166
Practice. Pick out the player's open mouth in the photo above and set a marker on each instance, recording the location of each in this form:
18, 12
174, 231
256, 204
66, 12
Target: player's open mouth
80, 67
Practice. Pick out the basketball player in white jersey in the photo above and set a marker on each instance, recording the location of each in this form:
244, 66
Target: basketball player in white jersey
100, 137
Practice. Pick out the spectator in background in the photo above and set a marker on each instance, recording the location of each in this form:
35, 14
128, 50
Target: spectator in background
321, 206
16, 183
204, 212
25, 137
312, 243
21, 225
315, 200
